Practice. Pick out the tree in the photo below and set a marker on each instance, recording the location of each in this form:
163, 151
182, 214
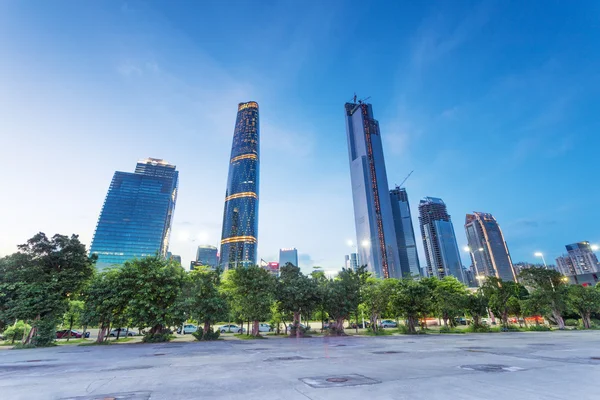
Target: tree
411, 300
205, 302
548, 288
154, 287
40, 278
585, 300
449, 299
318, 276
73, 314
376, 297
296, 293
342, 297
476, 305
104, 302
498, 293
250, 291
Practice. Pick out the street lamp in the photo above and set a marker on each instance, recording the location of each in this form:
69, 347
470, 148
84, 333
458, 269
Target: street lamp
365, 243
478, 276
540, 254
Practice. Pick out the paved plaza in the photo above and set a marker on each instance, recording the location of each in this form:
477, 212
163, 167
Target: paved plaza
532, 365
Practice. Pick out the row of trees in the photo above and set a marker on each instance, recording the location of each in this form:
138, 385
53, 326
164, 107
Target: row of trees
50, 281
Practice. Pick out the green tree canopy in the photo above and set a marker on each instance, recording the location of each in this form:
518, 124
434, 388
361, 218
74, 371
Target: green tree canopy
296, 293
251, 292
585, 300
411, 300
205, 302
154, 287
449, 298
548, 289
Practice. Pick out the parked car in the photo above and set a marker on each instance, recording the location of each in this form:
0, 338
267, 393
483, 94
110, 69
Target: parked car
461, 321
262, 327
124, 332
305, 327
231, 328
360, 325
388, 323
189, 328
73, 333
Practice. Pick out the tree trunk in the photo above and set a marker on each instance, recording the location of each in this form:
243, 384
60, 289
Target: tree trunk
296, 324
84, 331
255, 330
445, 321
505, 318
107, 333
205, 329
118, 334
411, 324
70, 328
248, 331
585, 317
101, 333
559, 319
32, 332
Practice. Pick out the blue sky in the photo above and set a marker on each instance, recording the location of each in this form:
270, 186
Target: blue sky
493, 104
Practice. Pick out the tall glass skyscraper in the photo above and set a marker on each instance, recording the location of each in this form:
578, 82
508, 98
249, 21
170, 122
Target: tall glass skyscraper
240, 217
137, 214
439, 240
376, 238
488, 249
405, 233
288, 256
207, 255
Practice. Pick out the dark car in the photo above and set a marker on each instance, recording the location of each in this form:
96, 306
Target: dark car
360, 325
74, 334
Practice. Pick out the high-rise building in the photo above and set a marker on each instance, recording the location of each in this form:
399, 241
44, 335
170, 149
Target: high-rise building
137, 214
240, 218
376, 238
207, 255
580, 259
177, 259
439, 240
288, 256
405, 233
351, 261
487, 247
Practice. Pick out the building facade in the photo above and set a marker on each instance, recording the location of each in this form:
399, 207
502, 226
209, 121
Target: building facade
207, 255
288, 256
239, 237
405, 233
137, 214
488, 249
376, 238
579, 260
351, 261
439, 240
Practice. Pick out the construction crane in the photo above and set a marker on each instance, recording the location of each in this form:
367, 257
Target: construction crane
407, 176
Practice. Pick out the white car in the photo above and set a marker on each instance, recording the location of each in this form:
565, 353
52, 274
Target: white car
188, 329
231, 328
264, 328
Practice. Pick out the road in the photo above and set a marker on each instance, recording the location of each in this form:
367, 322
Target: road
528, 365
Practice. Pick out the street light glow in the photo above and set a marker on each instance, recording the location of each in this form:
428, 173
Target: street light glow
480, 249
349, 243
467, 248
538, 254
595, 247
365, 243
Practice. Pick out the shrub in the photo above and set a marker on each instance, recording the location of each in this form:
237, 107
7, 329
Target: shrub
209, 335
16, 332
571, 322
164, 336
539, 328
478, 328
445, 329
46, 331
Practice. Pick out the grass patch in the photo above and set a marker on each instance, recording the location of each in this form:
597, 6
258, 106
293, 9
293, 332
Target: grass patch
445, 329
72, 341
539, 328
243, 336
380, 332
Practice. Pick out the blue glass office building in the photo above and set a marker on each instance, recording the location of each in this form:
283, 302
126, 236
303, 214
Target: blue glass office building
376, 238
405, 233
207, 255
137, 214
439, 240
487, 247
239, 237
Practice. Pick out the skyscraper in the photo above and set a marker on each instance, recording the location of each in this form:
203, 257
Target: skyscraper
288, 256
240, 217
377, 247
488, 249
580, 259
439, 240
137, 214
405, 233
207, 255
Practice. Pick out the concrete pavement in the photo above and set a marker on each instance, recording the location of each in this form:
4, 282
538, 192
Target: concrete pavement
531, 365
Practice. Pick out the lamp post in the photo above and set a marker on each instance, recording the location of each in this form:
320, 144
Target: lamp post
540, 254
478, 277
